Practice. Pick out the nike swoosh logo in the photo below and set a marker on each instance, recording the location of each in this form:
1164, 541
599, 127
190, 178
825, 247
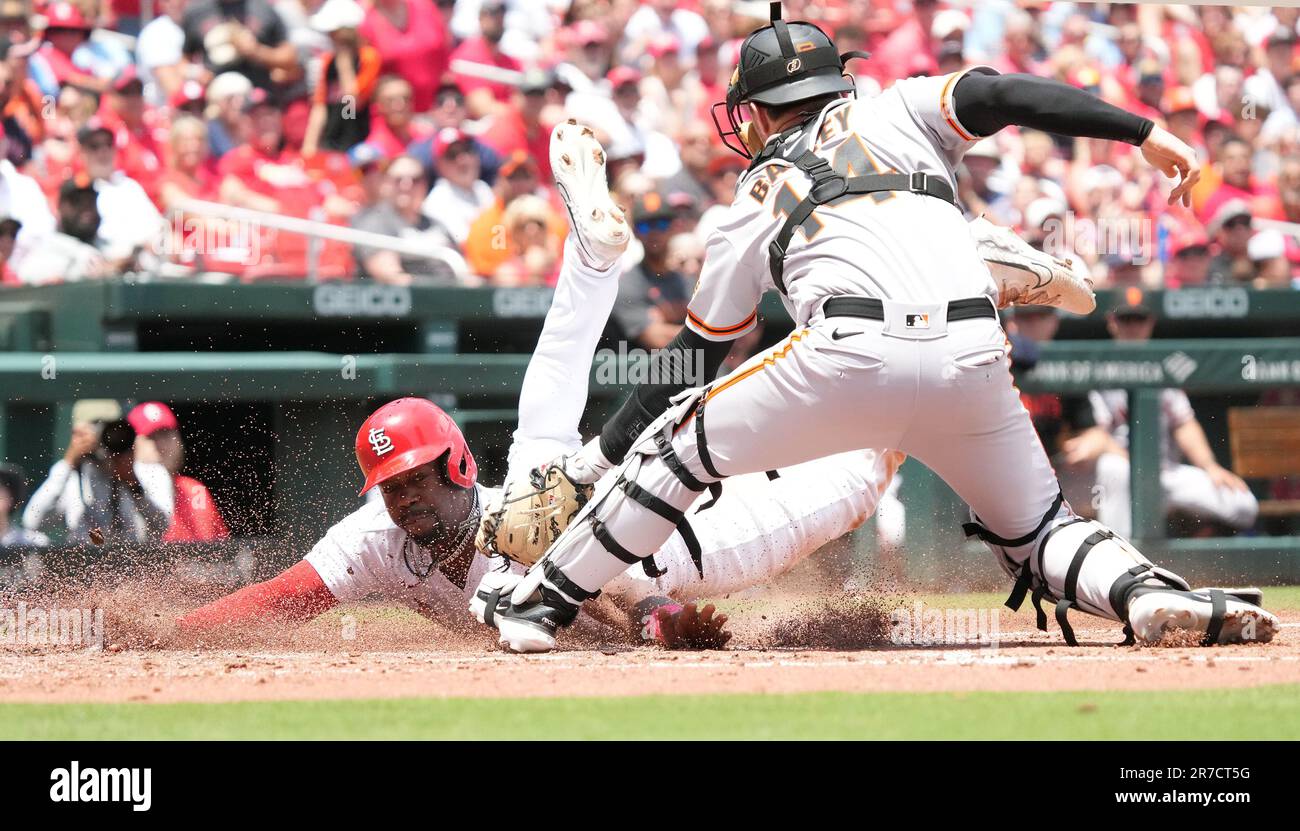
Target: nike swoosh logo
838, 335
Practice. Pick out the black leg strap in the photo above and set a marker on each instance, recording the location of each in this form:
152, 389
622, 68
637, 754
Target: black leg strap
651, 570
1061, 620
976, 529
675, 465
644, 497
1023, 581
558, 579
702, 445
1218, 607
715, 491
773, 474
606, 539
692, 544
1040, 617
490, 607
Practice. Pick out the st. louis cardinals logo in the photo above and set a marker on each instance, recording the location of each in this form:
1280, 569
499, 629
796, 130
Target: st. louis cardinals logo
379, 441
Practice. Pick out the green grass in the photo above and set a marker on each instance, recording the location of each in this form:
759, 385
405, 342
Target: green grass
1258, 712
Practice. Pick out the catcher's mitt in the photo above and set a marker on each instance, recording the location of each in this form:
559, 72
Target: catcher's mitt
526, 517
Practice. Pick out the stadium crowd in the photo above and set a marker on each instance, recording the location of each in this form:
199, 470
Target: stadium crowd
429, 121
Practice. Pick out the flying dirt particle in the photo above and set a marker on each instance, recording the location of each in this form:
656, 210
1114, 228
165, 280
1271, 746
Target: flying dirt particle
1087, 707
97, 536
840, 621
1139, 669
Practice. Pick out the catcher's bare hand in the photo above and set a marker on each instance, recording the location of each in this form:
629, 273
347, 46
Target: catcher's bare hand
690, 628
1172, 157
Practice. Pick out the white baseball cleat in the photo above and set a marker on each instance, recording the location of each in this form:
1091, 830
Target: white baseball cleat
1154, 613
599, 227
1029, 277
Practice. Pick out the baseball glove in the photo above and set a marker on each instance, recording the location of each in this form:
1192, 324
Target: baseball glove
526, 517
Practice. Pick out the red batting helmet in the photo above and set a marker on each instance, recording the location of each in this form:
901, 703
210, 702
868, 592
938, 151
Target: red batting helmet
407, 433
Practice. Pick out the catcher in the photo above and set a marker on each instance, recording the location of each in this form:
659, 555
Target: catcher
438, 530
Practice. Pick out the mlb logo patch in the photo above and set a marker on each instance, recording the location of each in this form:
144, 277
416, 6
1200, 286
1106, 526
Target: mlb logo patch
917, 321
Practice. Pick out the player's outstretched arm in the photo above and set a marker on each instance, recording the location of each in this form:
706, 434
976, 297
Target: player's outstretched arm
296, 594
986, 103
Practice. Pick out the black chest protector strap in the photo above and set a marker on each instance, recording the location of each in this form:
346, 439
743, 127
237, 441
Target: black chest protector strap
829, 187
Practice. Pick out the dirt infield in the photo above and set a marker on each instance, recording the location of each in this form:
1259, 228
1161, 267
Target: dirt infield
381, 653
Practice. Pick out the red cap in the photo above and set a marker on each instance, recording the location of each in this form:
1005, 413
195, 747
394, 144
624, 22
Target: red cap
187, 93
663, 44
620, 75
587, 31
126, 78
150, 417
446, 137
64, 15
407, 433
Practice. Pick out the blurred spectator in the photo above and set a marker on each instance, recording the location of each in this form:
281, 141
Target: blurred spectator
657, 20
9, 230
244, 36
1267, 253
71, 253
133, 127
459, 195
396, 213
1230, 228
13, 490
696, 148
534, 255
56, 63
226, 94
523, 126
24, 204
21, 106
1266, 86
393, 127
486, 90
1189, 261
160, 55
413, 40
449, 113
195, 517
488, 244
189, 173
652, 297
128, 221
724, 170
99, 485
1203, 489
978, 187
340, 112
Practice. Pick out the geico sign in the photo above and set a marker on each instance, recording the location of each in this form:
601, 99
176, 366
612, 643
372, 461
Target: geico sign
361, 300
1208, 302
521, 302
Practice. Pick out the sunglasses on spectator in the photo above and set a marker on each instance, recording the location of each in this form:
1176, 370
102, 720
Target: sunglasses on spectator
1132, 317
100, 144
407, 180
1237, 222
650, 225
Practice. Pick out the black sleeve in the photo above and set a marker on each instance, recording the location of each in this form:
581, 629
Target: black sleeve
647, 401
987, 103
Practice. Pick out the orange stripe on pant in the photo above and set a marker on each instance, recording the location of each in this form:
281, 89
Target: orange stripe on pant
766, 362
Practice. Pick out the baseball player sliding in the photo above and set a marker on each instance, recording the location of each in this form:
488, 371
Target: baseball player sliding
437, 528
847, 210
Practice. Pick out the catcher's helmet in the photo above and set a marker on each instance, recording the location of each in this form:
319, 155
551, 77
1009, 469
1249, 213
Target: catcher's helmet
780, 64
407, 433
